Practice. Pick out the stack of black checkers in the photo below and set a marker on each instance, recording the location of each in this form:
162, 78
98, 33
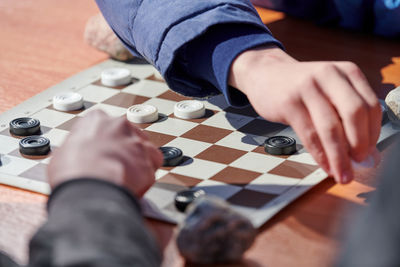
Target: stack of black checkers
32, 144
280, 145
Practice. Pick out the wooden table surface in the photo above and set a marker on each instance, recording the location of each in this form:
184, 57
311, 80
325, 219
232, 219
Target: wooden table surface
41, 44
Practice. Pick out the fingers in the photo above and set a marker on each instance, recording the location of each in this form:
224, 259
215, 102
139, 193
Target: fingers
361, 85
305, 129
330, 132
350, 107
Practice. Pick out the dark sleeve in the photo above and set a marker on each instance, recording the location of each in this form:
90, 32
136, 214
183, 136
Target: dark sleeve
93, 223
6, 261
374, 238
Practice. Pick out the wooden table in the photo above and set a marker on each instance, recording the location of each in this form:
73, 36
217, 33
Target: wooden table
42, 44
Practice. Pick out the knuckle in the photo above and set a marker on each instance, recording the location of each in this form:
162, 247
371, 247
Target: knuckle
327, 68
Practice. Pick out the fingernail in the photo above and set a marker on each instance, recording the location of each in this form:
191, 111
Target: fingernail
346, 177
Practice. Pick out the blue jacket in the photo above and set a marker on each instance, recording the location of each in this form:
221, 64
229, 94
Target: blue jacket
193, 43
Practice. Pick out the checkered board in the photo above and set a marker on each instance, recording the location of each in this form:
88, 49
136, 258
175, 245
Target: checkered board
223, 151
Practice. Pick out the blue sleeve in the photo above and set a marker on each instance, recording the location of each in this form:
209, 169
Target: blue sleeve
208, 58
158, 30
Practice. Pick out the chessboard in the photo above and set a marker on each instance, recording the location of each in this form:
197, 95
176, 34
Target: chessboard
223, 150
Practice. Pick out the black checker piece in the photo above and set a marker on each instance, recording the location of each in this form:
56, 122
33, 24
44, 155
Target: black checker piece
34, 145
24, 126
280, 145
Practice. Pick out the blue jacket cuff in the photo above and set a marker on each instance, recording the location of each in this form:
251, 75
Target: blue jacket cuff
206, 60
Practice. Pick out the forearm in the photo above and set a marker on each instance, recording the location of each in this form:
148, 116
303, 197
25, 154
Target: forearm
93, 223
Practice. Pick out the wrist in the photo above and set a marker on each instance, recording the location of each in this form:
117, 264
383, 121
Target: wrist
253, 59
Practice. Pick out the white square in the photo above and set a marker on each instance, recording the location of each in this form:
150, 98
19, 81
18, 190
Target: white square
172, 126
147, 88
198, 168
52, 118
56, 136
8, 144
229, 121
164, 106
15, 165
189, 147
273, 184
239, 141
257, 162
160, 173
303, 157
111, 110
216, 103
97, 94
217, 188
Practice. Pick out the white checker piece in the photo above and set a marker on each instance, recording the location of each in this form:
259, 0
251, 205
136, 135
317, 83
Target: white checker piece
102, 93
172, 126
111, 110
147, 88
226, 120
56, 136
189, 147
164, 106
8, 144
271, 183
218, 189
15, 165
239, 141
52, 118
257, 162
198, 168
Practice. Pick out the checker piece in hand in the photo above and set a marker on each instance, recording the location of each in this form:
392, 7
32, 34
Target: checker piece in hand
34, 145
172, 155
24, 126
185, 197
280, 145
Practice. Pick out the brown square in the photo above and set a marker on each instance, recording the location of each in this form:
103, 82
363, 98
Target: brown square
134, 80
125, 100
176, 179
221, 154
235, 176
247, 111
86, 105
159, 139
293, 169
171, 95
154, 78
68, 124
249, 198
262, 128
206, 133
37, 172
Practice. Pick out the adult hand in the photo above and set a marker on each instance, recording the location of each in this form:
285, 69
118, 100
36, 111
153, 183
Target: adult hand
330, 105
106, 148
